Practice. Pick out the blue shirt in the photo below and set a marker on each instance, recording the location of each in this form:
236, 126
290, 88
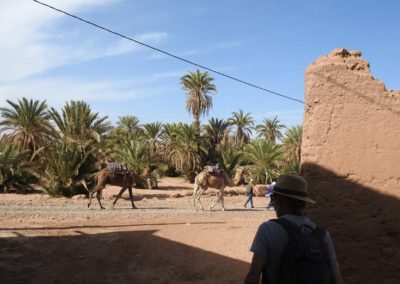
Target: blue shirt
271, 240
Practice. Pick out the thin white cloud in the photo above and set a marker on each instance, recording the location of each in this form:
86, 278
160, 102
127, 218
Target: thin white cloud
56, 91
28, 47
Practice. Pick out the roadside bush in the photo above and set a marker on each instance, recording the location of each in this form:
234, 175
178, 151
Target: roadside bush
15, 173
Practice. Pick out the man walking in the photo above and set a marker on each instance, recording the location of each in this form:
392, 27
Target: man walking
249, 193
274, 241
269, 194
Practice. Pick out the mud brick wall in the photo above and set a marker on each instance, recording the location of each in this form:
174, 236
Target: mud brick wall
351, 157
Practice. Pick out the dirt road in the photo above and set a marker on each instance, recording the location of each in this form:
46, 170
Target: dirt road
45, 240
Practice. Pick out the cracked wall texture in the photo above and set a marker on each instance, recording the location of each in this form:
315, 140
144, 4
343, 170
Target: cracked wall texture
351, 157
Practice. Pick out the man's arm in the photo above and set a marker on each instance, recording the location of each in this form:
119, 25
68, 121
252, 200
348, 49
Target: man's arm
337, 277
256, 268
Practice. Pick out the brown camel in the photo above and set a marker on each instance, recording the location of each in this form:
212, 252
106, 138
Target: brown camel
125, 180
204, 180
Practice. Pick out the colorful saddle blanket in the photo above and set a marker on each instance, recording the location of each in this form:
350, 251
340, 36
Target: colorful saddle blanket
211, 170
116, 168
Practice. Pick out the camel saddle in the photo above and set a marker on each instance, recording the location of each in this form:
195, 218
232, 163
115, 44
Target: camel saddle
214, 171
117, 168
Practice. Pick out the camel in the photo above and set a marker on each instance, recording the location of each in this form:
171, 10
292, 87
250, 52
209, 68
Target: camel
125, 180
204, 180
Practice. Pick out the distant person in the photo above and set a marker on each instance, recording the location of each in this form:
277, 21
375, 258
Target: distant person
249, 193
269, 195
275, 248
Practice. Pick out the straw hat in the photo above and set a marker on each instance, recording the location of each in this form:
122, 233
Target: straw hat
293, 187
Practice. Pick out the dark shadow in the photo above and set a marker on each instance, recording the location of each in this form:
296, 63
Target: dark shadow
100, 226
138, 197
141, 207
246, 209
27, 192
118, 257
364, 224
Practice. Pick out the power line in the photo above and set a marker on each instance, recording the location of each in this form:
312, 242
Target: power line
170, 54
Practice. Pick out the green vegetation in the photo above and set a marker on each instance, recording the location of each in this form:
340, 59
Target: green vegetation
58, 150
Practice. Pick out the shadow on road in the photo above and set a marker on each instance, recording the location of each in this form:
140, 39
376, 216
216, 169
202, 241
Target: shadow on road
117, 257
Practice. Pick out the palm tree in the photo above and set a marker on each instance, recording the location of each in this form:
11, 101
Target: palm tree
230, 157
243, 123
153, 133
26, 124
134, 154
169, 130
82, 142
199, 87
270, 129
127, 127
264, 157
64, 168
292, 143
214, 132
128, 123
182, 150
79, 125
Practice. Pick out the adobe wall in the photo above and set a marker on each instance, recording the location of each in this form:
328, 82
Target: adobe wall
351, 157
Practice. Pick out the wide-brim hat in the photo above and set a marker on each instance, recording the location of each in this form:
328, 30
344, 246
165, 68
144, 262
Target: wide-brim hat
293, 187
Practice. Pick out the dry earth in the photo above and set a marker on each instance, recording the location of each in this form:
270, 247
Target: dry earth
46, 240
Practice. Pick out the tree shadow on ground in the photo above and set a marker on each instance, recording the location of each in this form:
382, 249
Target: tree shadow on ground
117, 257
363, 222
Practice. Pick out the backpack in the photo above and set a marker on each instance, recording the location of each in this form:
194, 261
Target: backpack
305, 259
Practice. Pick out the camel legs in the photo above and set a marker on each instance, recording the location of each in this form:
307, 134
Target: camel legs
131, 197
220, 199
98, 196
97, 190
119, 195
197, 192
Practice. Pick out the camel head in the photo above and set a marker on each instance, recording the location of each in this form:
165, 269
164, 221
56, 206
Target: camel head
239, 173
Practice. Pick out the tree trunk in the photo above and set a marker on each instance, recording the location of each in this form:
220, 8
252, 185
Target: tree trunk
196, 118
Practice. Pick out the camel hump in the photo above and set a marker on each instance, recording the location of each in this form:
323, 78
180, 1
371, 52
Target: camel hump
202, 178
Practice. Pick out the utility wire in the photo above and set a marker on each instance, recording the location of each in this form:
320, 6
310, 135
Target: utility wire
169, 54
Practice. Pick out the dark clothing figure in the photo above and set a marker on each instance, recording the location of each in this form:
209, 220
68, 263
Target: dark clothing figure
249, 193
272, 240
269, 194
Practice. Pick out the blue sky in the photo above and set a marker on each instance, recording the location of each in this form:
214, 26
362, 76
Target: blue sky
47, 55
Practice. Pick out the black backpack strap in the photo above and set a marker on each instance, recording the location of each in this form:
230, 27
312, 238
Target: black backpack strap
289, 227
320, 232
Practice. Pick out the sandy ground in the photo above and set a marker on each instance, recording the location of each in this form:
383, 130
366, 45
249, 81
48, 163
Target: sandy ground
45, 240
